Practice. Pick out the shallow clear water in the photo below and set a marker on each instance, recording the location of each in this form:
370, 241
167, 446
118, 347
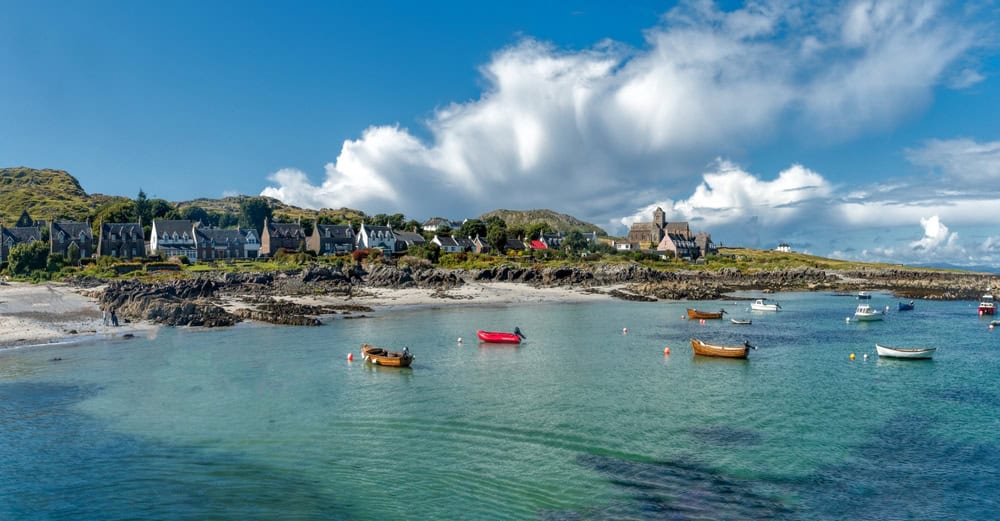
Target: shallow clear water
581, 422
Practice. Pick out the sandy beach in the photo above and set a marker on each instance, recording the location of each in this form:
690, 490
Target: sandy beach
32, 314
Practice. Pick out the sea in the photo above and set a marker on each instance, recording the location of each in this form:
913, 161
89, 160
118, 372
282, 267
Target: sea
588, 419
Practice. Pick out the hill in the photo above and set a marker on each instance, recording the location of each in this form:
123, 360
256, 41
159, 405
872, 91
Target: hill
557, 221
284, 211
45, 194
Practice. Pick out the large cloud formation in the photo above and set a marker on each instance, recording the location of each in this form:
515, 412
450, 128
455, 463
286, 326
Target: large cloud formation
600, 132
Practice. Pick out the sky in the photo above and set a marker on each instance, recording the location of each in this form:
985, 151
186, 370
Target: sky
863, 130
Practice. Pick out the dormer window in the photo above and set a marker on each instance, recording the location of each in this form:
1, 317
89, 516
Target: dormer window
83, 236
165, 236
184, 236
62, 236
175, 236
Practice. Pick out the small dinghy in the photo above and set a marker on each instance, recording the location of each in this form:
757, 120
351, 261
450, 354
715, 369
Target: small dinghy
739, 322
501, 337
919, 353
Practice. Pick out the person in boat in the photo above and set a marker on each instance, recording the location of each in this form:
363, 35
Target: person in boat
406, 352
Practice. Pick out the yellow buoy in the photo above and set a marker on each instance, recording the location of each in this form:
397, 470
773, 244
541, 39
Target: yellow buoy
852, 356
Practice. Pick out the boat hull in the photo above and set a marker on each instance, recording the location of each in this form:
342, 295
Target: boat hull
764, 307
905, 307
987, 310
704, 315
741, 322
908, 354
379, 356
720, 351
868, 317
498, 337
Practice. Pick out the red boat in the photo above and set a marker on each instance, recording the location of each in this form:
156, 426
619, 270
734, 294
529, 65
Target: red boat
987, 306
499, 337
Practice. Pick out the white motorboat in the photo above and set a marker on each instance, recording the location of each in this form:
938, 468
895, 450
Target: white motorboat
761, 305
866, 313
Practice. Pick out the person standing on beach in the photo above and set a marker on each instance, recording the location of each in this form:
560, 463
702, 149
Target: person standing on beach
114, 318
105, 317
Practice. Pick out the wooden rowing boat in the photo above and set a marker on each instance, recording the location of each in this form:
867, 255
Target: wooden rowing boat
920, 353
694, 314
739, 322
705, 349
379, 356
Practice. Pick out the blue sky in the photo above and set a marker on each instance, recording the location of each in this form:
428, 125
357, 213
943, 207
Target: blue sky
864, 130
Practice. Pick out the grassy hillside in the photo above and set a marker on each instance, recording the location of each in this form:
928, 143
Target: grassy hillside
232, 205
558, 221
750, 259
45, 194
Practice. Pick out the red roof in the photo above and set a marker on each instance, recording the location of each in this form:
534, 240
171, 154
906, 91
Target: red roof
538, 245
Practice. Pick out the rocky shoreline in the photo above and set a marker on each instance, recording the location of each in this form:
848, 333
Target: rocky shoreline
224, 299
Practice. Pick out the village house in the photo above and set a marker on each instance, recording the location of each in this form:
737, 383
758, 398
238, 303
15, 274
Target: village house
436, 224
446, 243
515, 245
464, 243
10, 237
705, 244
784, 248
372, 236
121, 240
404, 240
215, 243
331, 239
289, 236
173, 238
63, 236
480, 245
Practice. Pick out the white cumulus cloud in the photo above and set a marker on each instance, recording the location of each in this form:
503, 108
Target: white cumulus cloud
597, 132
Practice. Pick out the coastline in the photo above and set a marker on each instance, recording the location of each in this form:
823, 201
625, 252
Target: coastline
71, 312
58, 313
44, 314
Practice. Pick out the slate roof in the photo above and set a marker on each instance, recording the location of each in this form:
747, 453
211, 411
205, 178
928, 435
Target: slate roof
410, 237
21, 234
121, 230
73, 229
538, 245
335, 231
221, 236
464, 242
285, 230
448, 241
377, 231
180, 226
515, 244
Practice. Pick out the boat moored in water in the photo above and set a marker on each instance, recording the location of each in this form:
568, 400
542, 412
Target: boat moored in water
987, 306
866, 313
919, 353
500, 337
722, 351
380, 356
906, 306
739, 322
864, 295
706, 315
761, 305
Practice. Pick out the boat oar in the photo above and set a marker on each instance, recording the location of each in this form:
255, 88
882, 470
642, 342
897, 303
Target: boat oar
747, 344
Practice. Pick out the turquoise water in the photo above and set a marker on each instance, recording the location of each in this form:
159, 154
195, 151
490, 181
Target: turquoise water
581, 422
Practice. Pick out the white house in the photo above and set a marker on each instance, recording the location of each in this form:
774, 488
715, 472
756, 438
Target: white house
784, 248
370, 236
447, 244
173, 238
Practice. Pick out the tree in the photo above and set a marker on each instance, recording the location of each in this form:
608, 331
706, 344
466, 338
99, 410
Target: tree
444, 230
27, 257
162, 209
253, 211
496, 235
574, 242
473, 228
195, 213
73, 254
142, 208
535, 230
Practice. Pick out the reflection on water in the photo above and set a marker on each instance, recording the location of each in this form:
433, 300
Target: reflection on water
583, 423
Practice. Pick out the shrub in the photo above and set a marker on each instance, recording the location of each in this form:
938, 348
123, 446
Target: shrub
415, 262
87, 261
29, 257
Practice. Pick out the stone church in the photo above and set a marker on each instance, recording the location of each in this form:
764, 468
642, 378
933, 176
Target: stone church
654, 232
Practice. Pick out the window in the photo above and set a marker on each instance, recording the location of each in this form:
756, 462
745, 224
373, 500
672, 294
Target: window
133, 252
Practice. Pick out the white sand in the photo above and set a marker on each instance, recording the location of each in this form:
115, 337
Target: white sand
470, 294
33, 314
42, 313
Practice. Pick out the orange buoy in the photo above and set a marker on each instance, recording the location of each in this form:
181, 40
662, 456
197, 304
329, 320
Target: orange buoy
350, 357
666, 350
702, 321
